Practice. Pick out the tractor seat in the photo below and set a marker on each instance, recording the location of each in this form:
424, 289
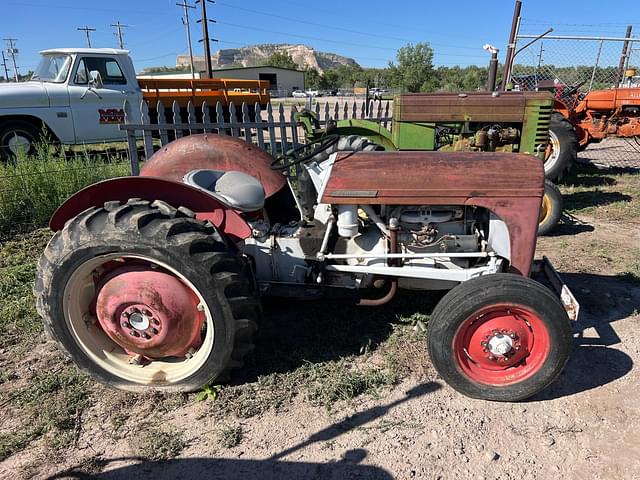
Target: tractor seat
237, 190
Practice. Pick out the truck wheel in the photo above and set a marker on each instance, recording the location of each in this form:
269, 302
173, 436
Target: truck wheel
143, 296
499, 337
17, 135
562, 151
551, 208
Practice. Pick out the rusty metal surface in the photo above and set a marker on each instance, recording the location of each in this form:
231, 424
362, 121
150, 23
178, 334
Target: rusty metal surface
174, 193
510, 185
214, 152
149, 312
474, 107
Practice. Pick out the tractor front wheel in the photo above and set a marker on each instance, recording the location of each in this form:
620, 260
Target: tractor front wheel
499, 337
143, 296
551, 208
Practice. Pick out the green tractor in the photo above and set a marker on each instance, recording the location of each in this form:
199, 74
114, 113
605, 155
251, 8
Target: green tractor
472, 122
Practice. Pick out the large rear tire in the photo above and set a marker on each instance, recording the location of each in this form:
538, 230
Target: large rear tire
499, 337
143, 296
563, 148
551, 208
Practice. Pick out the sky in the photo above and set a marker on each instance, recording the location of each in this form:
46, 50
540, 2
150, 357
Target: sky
368, 31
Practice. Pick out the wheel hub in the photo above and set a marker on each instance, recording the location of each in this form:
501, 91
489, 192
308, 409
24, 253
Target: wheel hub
149, 312
18, 142
500, 344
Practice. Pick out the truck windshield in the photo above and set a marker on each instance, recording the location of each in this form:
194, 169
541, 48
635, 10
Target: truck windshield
53, 68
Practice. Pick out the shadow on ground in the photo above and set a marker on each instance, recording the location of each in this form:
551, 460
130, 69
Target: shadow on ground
581, 200
348, 466
297, 332
603, 301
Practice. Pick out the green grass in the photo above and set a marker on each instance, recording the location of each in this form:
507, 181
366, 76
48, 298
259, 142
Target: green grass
607, 194
52, 404
230, 437
32, 187
157, 444
19, 322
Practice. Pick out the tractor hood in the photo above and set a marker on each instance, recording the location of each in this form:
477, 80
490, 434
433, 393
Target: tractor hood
23, 95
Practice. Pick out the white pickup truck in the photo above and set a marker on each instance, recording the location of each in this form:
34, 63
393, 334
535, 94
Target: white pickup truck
78, 94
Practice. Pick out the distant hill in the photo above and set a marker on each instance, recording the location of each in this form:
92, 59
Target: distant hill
253, 55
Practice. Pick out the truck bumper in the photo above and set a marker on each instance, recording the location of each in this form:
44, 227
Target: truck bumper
544, 272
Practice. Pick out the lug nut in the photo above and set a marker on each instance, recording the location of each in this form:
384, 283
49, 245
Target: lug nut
146, 313
134, 333
126, 325
154, 331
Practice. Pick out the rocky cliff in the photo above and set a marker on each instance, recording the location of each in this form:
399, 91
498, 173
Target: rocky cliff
253, 55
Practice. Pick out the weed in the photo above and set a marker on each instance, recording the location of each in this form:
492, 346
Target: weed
11, 443
632, 274
156, 444
230, 437
32, 187
208, 392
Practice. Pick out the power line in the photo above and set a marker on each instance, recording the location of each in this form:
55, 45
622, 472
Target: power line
119, 33
185, 20
86, 29
334, 27
13, 51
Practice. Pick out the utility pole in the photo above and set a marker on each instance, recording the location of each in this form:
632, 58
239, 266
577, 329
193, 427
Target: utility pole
4, 65
205, 35
623, 57
86, 29
185, 21
119, 33
13, 51
511, 48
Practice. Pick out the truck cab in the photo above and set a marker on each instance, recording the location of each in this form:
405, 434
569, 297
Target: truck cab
77, 94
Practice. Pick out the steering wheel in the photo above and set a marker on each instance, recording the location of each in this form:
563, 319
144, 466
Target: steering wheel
573, 89
304, 152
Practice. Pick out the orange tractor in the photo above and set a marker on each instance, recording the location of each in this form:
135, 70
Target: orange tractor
589, 118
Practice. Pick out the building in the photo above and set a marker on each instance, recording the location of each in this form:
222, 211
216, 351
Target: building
283, 80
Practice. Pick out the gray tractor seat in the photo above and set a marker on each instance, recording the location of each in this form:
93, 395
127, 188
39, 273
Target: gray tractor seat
237, 190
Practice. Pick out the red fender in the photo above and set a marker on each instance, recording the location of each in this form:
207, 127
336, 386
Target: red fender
174, 193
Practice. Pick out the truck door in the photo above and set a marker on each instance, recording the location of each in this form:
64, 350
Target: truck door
97, 111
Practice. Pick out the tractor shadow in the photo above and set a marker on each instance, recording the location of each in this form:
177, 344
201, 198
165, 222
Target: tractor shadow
294, 333
209, 468
581, 200
273, 468
603, 300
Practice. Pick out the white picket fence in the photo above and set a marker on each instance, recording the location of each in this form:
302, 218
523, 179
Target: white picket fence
273, 130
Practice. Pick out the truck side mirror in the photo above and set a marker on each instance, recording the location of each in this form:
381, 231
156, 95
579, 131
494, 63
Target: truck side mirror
95, 79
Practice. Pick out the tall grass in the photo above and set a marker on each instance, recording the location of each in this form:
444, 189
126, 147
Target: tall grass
33, 186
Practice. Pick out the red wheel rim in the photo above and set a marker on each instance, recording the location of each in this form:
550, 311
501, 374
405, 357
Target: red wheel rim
501, 345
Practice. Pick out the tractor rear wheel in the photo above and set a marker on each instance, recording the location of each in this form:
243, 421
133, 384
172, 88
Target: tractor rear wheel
551, 208
562, 151
143, 296
499, 337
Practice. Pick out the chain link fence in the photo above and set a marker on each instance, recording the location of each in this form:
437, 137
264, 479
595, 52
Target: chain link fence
565, 65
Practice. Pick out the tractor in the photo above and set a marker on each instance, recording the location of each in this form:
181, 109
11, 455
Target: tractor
154, 282
600, 113
473, 122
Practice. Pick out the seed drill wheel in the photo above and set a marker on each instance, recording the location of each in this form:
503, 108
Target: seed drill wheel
144, 296
562, 151
551, 208
499, 337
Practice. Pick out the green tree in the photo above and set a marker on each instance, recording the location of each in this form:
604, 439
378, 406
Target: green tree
414, 70
281, 59
311, 78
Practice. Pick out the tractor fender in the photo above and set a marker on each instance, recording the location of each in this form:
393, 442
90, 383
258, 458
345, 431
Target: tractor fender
365, 128
177, 194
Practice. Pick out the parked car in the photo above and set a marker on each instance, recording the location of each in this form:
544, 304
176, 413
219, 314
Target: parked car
312, 93
298, 94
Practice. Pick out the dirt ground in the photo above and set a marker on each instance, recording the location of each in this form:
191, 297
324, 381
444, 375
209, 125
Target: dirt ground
278, 420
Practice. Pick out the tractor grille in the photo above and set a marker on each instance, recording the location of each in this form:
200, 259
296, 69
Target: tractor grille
544, 121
